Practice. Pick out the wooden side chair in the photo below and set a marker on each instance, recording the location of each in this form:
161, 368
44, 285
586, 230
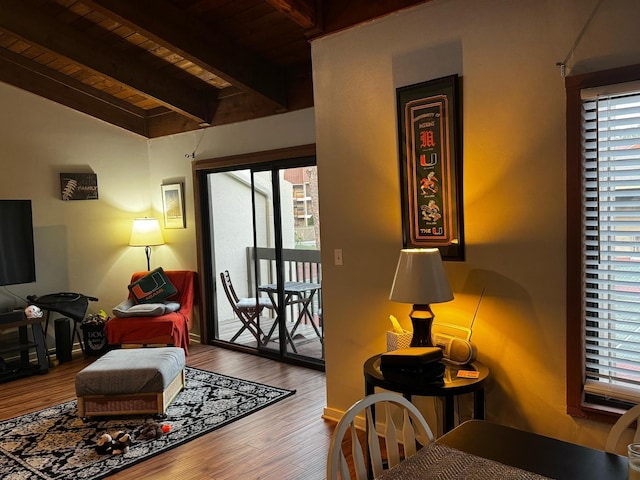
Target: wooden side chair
632, 415
410, 431
247, 309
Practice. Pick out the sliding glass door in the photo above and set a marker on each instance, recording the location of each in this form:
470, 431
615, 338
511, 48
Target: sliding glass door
263, 241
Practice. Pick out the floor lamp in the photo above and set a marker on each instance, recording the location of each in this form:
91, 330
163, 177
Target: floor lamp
146, 233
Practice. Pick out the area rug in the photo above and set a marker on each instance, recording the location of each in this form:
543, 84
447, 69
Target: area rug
54, 444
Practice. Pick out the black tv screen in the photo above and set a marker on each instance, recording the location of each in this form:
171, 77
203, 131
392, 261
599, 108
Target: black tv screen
17, 260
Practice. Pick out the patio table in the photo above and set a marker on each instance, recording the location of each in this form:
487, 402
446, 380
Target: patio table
296, 293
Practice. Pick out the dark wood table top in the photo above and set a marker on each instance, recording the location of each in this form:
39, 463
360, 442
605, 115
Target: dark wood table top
536, 453
453, 385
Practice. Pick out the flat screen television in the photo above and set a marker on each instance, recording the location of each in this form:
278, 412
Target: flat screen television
17, 257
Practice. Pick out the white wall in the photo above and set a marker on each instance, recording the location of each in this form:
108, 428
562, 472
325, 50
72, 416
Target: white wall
514, 186
171, 157
80, 246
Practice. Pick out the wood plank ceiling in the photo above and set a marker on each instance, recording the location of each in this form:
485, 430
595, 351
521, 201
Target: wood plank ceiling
159, 67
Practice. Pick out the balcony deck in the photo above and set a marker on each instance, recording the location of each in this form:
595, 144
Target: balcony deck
305, 339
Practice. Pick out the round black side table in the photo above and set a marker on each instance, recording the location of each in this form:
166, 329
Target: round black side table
453, 386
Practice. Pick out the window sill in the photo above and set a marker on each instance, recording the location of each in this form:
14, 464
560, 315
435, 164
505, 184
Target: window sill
595, 412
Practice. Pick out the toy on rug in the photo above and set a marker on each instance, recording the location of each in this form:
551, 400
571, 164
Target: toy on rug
152, 430
113, 445
121, 442
104, 445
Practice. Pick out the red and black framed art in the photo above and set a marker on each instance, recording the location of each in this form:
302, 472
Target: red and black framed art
429, 134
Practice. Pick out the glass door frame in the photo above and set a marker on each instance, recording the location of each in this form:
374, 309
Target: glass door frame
259, 161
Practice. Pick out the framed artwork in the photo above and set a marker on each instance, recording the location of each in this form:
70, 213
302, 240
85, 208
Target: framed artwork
173, 206
429, 137
78, 186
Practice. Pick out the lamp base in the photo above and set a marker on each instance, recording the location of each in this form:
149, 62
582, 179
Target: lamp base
421, 319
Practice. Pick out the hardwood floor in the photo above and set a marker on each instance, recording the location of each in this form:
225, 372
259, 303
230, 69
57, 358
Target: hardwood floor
285, 441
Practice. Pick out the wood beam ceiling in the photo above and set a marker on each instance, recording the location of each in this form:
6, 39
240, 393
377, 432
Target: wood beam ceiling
159, 67
302, 12
165, 24
39, 80
29, 24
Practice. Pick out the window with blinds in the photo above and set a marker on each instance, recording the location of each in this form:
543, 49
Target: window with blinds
611, 241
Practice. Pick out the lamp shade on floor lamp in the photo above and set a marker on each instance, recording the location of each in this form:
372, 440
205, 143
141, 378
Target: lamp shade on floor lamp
146, 233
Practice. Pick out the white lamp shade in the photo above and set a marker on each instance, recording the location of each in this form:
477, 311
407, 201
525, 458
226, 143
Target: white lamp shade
420, 278
146, 232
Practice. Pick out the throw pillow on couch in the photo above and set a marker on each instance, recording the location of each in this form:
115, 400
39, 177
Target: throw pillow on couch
129, 308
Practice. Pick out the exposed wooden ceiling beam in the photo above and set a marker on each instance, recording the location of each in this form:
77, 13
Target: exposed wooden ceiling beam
23, 21
339, 14
166, 25
259, 87
39, 80
303, 12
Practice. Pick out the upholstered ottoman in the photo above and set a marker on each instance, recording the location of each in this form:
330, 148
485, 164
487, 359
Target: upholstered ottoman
132, 381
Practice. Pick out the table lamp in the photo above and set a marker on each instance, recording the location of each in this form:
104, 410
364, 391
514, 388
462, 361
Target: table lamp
146, 233
420, 280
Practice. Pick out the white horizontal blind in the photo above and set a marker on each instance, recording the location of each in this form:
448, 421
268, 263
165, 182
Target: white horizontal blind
611, 245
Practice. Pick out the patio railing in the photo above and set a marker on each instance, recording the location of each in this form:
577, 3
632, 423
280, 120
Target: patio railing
300, 265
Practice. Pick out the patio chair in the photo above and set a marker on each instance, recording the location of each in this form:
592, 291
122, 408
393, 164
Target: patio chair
247, 309
413, 429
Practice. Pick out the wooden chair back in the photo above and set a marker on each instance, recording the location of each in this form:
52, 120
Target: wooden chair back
228, 287
622, 424
398, 441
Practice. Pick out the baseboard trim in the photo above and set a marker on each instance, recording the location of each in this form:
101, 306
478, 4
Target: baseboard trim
334, 415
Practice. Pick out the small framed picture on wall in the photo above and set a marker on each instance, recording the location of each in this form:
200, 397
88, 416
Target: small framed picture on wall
173, 205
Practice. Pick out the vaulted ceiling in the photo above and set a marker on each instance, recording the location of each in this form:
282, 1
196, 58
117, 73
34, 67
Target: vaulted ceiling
159, 67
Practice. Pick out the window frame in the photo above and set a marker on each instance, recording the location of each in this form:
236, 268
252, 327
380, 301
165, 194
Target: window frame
577, 406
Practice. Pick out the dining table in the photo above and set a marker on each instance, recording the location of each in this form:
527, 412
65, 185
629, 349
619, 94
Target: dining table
483, 450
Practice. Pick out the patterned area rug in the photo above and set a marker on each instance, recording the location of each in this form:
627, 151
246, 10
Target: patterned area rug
54, 444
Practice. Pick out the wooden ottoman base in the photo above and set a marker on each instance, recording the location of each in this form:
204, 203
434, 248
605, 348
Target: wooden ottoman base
102, 389
130, 403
